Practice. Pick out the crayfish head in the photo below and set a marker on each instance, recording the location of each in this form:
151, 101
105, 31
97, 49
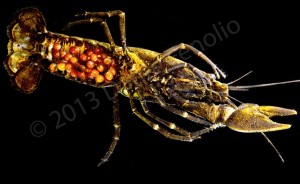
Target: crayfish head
251, 118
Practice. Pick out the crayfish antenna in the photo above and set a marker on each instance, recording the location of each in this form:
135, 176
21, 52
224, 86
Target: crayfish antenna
241, 88
273, 147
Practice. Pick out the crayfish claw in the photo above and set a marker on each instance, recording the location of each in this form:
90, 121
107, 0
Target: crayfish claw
253, 118
271, 111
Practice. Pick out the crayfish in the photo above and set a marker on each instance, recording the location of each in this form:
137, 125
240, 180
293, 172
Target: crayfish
142, 75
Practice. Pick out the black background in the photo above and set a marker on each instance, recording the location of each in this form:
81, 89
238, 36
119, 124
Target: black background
267, 44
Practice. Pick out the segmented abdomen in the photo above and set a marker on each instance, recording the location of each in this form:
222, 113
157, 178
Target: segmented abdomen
78, 59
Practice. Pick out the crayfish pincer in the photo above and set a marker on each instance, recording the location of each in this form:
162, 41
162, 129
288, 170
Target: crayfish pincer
255, 118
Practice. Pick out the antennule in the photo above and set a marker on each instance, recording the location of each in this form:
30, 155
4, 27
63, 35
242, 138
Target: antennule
239, 78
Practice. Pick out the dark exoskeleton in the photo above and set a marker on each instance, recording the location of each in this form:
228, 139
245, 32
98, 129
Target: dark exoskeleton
142, 75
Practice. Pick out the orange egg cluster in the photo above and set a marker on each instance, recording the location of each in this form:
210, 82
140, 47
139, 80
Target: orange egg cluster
92, 64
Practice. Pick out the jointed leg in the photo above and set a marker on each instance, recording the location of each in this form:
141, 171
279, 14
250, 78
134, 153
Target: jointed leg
179, 112
200, 132
198, 72
193, 135
200, 109
208, 129
99, 15
164, 122
113, 13
155, 126
182, 46
182, 113
93, 20
117, 126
